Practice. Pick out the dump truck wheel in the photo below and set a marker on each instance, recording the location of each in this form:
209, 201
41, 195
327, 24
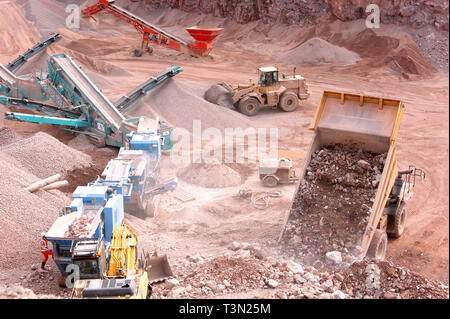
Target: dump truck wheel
396, 223
249, 106
150, 50
288, 102
270, 181
137, 53
378, 245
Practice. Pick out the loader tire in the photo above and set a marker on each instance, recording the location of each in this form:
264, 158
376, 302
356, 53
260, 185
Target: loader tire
378, 245
396, 223
249, 106
288, 102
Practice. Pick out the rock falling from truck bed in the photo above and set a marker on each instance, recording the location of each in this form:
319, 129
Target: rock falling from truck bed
333, 204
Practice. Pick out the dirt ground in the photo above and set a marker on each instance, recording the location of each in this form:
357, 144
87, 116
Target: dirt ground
213, 218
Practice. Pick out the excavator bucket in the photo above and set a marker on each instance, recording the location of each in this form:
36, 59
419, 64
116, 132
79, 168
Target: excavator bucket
158, 268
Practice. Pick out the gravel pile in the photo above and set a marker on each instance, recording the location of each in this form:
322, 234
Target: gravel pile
317, 51
81, 142
179, 104
7, 136
44, 155
332, 207
210, 175
382, 279
24, 215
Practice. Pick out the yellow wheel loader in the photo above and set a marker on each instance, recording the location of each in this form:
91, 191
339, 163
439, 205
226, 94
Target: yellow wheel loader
116, 271
272, 90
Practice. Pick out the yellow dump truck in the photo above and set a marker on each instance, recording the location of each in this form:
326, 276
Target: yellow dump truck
371, 125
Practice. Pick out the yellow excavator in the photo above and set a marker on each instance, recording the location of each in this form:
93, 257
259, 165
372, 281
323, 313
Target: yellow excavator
116, 271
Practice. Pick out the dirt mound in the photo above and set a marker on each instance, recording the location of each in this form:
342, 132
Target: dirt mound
407, 59
214, 175
179, 104
23, 36
318, 51
44, 155
382, 279
332, 207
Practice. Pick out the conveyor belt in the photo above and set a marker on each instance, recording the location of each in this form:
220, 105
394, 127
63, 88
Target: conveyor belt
7, 79
90, 91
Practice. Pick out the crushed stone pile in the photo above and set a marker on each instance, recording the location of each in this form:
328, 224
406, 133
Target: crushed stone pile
332, 207
318, 51
210, 175
382, 279
7, 136
81, 142
23, 214
44, 155
179, 104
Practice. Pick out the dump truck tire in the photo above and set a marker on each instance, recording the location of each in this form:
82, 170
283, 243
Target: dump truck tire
396, 223
249, 106
270, 181
288, 102
378, 245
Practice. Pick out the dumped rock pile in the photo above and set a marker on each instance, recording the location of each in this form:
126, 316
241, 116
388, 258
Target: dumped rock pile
333, 204
210, 175
245, 268
382, 279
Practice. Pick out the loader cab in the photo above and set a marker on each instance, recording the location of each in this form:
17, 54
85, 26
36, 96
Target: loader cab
89, 256
268, 76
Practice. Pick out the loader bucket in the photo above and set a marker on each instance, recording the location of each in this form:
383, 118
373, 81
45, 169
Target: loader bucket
158, 268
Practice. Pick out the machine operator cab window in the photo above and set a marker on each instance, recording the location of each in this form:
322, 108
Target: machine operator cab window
268, 76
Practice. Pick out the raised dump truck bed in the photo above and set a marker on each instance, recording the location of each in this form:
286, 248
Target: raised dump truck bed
360, 131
